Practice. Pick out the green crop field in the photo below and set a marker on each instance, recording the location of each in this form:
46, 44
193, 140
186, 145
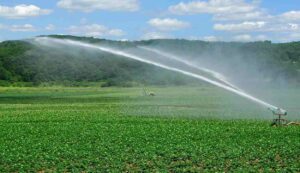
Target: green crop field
181, 129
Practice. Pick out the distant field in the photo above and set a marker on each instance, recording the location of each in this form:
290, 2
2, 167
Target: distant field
189, 129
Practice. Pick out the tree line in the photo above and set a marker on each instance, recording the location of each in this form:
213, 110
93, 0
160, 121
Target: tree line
22, 62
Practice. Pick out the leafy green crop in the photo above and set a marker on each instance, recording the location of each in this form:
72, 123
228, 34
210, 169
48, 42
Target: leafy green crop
117, 129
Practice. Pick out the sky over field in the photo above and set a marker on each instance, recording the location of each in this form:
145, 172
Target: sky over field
211, 20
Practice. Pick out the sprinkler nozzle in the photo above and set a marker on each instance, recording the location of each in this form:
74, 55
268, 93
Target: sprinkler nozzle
278, 111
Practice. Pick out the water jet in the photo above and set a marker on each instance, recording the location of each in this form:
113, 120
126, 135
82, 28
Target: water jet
276, 110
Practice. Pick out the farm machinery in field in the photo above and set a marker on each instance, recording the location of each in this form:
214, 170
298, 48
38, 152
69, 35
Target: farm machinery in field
279, 114
279, 119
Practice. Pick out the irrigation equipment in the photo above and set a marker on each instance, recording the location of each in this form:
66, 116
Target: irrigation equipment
276, 111
279, 114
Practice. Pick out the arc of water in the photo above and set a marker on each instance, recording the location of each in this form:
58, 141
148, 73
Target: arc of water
206, 70
131, 56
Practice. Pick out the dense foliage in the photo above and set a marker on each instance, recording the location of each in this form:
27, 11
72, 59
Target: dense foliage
120, 130
22, 61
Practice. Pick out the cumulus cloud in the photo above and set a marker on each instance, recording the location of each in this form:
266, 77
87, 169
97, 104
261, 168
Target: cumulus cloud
244, 26
242, 16
92, 5
248, 38
18, 28
212, 7
223, 10
168, 24
259, 26
291, 16
284, 27
253, 15
22, 28
116, 32
95, 30
244, 38
22, 11
211, 38
155, 35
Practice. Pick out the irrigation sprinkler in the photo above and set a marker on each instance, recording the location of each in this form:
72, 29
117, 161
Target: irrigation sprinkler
279, 120
280, 113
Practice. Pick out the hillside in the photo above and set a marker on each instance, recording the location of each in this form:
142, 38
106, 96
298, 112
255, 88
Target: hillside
27, 63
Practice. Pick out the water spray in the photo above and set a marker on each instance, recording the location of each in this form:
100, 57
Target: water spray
276, 111
203, 69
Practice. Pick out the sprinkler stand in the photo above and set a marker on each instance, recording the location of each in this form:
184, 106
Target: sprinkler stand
279, 120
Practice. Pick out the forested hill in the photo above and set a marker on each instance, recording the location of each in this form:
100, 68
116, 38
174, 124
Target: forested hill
22, 62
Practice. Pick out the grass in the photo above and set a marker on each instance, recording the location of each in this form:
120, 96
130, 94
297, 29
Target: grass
193, 129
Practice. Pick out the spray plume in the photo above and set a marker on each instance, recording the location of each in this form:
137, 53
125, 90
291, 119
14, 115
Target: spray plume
173, 57
46, 40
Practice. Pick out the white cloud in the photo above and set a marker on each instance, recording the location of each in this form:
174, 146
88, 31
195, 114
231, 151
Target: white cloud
213, 7
285, 27
277, 27
155, 35
246, 17
244, 26
123, 40
22, 28
291, 16
223, 10
95, 30
168, 24
116, 32
50, 27
22, 11
253, 15
92, 5
248, 38
211, 38
244, 38
18, 28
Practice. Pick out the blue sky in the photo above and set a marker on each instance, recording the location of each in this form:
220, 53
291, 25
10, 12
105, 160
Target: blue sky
211, 20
